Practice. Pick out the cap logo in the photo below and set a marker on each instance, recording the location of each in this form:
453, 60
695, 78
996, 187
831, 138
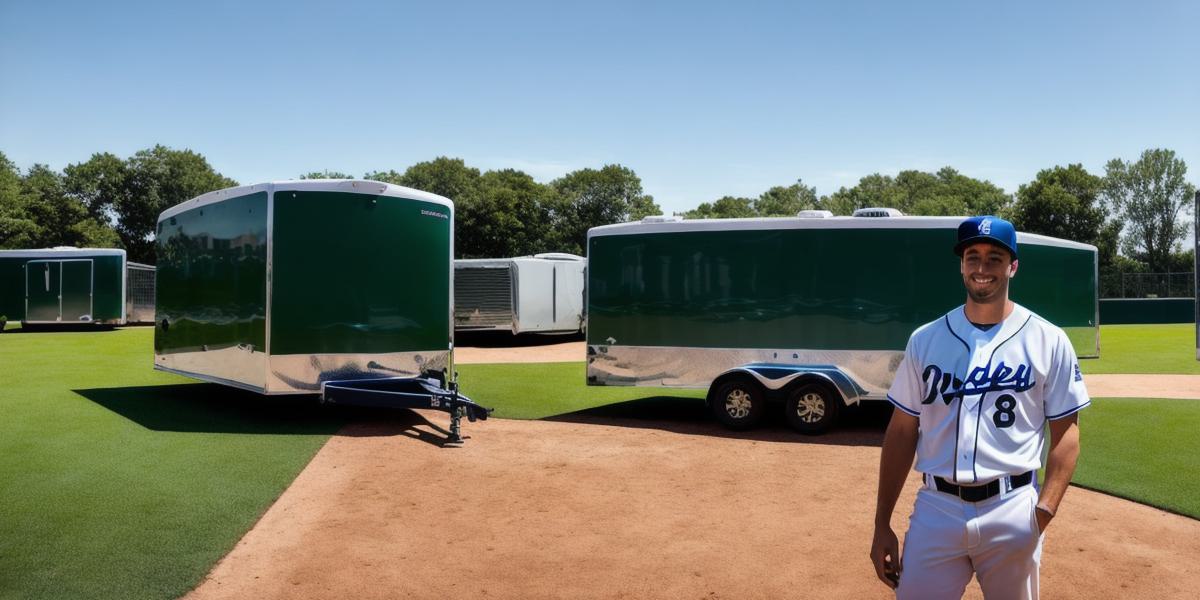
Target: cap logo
985, 227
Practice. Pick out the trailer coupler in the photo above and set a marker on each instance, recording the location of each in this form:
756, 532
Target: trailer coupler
407, 392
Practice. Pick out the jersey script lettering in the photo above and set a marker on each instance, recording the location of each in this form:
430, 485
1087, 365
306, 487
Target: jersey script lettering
980, 381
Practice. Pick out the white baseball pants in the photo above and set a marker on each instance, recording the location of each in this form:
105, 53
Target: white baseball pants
948, 539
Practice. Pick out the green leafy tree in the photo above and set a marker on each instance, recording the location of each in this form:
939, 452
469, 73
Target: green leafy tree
17, 228
946, 192
46, 202
872, 190
449, 177
506, 215
1149, 196
592, 197
727, 207
100, 184
134, 193
63, 220
388, 176
37, 212
92, 233
1064, 202
160, 178
326, 174
781, 201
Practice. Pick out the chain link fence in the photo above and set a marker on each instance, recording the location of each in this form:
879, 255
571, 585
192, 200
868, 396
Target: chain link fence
1151, 285
139, 293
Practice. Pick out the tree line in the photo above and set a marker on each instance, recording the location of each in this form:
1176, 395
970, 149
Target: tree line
107, 201
1135, 213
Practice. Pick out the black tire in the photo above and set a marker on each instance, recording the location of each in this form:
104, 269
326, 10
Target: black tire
738, 403
812, 408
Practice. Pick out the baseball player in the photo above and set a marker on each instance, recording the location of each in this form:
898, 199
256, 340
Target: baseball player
972, 396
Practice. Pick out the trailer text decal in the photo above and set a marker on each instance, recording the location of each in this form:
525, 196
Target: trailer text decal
432, 213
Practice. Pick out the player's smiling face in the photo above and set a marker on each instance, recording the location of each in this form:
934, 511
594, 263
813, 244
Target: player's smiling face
986, 269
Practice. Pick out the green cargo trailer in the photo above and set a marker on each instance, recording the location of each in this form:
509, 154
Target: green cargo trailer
299, 287
813, 312
60, 286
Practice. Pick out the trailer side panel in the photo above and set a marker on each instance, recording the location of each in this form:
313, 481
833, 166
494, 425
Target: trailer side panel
210, 291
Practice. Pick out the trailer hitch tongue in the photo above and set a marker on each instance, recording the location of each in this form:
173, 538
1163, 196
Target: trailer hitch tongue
407, 392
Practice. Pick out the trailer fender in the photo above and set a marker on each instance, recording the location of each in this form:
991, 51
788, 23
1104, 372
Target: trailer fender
776, 377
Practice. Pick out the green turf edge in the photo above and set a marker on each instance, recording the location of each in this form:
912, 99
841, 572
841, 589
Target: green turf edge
123, 482
1144, 450
1145, 349
233, 542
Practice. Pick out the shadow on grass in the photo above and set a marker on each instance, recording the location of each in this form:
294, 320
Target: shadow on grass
861, 425
212, 408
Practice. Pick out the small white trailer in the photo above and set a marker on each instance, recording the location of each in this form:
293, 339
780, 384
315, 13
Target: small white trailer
542, 293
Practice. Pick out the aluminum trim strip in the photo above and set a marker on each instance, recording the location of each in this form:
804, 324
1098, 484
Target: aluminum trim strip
684, 367
774, 223
58, 253
209, 378
353, 186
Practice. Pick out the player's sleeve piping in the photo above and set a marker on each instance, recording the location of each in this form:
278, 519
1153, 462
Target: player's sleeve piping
1069, 412
902, 407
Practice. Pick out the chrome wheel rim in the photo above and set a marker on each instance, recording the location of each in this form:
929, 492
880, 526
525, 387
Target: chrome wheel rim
737, 404
810, 408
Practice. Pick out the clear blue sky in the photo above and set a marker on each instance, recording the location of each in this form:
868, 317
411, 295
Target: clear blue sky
701, 99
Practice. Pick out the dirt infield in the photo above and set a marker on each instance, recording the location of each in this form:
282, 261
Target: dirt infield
1143, 386
617, 507
607, 505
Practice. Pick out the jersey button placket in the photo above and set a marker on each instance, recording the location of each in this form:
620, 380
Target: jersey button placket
964, 463
966, 457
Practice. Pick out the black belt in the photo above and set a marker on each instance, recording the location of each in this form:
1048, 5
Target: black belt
979, 493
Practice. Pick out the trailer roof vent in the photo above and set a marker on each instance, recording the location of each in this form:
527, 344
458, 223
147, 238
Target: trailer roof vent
878, 212
559, 256
814, 214
662, 219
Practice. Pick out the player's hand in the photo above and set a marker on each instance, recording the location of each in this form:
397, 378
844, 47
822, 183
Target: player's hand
885, 555
1043, 519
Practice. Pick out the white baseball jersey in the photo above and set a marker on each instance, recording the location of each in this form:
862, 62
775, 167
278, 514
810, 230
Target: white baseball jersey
983, 397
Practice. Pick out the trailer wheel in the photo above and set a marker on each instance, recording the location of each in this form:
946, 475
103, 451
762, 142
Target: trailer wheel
738, 403
812, 408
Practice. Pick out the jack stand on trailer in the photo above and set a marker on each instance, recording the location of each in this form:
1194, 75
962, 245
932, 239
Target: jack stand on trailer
427, 391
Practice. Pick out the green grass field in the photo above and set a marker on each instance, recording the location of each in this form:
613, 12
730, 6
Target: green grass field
1145, 349
1143, 450
537, 391
122, 482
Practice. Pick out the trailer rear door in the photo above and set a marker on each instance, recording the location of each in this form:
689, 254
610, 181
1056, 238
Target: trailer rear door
76, 290
43, 281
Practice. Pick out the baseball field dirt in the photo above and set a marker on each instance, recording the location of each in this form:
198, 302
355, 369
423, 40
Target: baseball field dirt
604, 504
612, 506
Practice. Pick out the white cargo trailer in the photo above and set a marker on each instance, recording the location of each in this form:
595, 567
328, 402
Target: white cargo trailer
542, 293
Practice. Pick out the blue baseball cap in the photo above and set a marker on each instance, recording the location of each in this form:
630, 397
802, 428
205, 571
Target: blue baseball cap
987, 228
